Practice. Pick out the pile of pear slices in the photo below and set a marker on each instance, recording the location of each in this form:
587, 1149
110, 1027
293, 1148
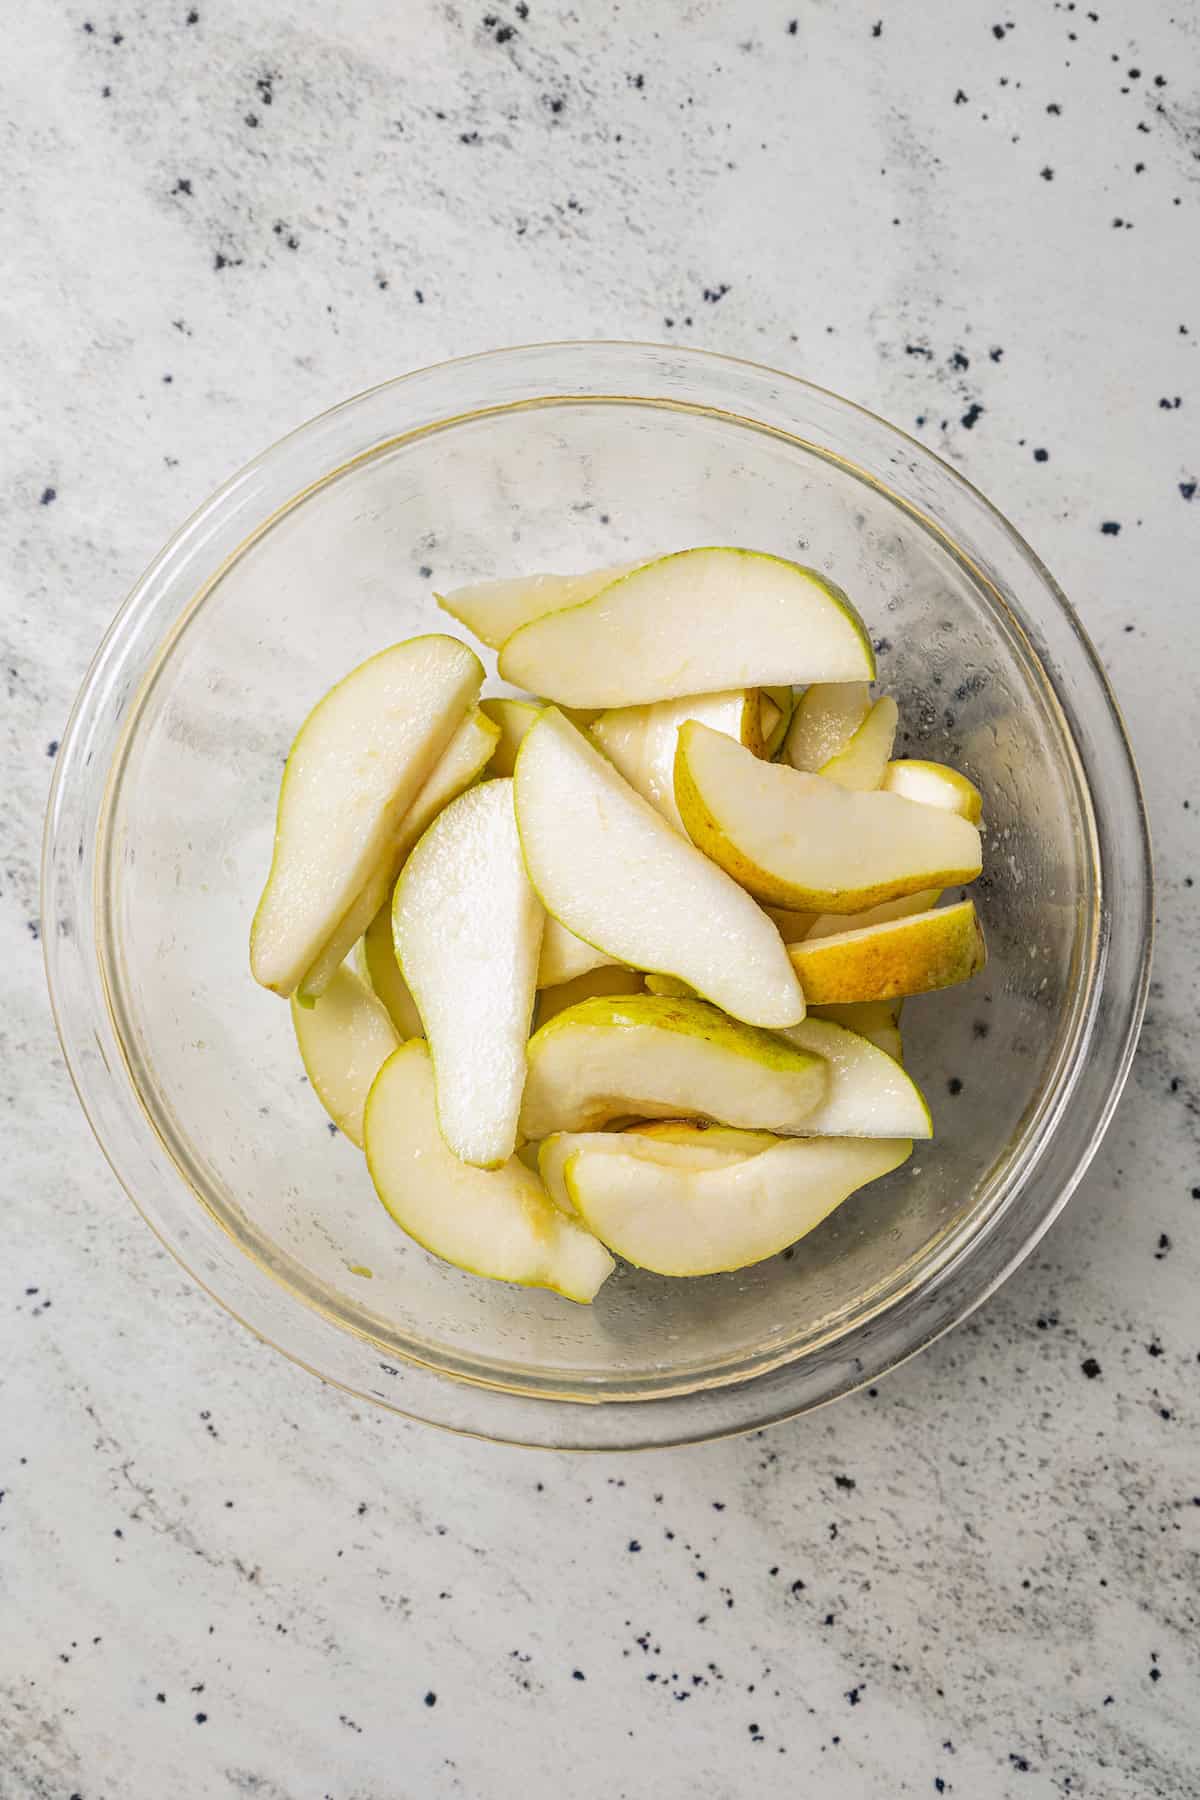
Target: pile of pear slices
658, 866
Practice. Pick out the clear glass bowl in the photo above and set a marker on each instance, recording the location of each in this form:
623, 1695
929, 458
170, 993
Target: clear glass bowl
326, 549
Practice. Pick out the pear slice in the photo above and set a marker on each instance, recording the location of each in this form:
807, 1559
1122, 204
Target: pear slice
610, 868
934, 784
355, 767
555, 1151
698, 622
462, 760
651, 1057
512, 718
800, 841
861, 763
881, 962
565, 957
775, 727
640, 740
823, 722
493, 610
701, 1222
697, 1134
827, 924
382, 971
793, 927
344, 1041
869, 1095
468, 929
593, 984
878, 1020
497, 1222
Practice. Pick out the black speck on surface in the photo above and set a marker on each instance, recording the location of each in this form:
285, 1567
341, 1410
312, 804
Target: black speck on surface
846, 1482
854, 1695
1041, 456
52, 747
49, 496
972, 414
793, 27
1188, 489
1047, 173
424, 571
1164, 1245
998, 31
877, 28
193, 17
633, 1546
578, 1675
954, 1085
960, 99
202, 1718
1110, 528
1090, 1367
431, 1698
1019, 1762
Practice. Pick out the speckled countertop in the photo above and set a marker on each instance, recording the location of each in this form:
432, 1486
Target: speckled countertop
980, 1579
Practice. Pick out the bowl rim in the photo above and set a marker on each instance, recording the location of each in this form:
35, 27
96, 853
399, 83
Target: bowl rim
772, 1392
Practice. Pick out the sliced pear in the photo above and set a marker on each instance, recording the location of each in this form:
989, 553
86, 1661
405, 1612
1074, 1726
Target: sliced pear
827, 924
907, 956
468, 930
512, 719
861, 763
934, 784
878, 1020
823, 722
869, 1095
609, 868
674, 990
800, 841
344, 1041
462, 760
556, 1150
792, 927
382, 971
775, 729
493, 610
591, 985
355, 767
497, 1222
565, 957
698, 622
699, 1134
651, 1057
640, 740
687, 1222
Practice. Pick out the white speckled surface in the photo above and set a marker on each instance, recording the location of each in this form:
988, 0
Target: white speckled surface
217, 1578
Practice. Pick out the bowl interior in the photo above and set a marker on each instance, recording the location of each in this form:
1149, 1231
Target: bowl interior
348, 567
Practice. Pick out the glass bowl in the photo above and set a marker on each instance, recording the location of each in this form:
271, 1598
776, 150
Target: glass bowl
327, 548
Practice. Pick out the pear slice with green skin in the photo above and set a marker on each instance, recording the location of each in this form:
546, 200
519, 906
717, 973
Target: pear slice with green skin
468, 929
905, 956
802, 842
512, 718
651, 1057
934, 784
775, 730
355, 767
823, 722
861, 763
493, 610
828, 924
640, 741
704, 1222
382, 971
870, 1094
877, 1020
608, 867
464, 757
565, 957
556, 1150
699, 622
493, 1222
344, 1040
593, 984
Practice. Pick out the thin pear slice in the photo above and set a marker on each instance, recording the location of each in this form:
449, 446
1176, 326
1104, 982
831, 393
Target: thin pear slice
344, 1041
493, 610
775, 729
512, 718
869, 1094
882, 962
493, 1222
381, 969
686, 1222
828, 924
800, 841
823, 722
934, 784
878, 1020
640, 741
468, 929
651, 1057
355, 767
565, 957
556, 1150
698, 1134
698, 622
464, 757
610, 868
861, 763
593, 984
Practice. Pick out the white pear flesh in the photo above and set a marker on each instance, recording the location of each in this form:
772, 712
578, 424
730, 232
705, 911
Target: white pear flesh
699, 1134
931, 950
493, 610
876, 1020
382, 971
934, 784
698, 622
344, 1041
861, 763
827, 924
593, 984
355, 767
464, 757
468, 931
824, 720
647, 1056
869, 1093
565, 957
640, 741
684, 1222
799, 841
512, 719
493, 1222
614, 873
555, 1151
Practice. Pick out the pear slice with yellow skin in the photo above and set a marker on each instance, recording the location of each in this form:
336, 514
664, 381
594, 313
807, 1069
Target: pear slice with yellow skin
699, 622
824, 719
493, 1222
934, 784
344, 1040
828, 924
512, 719
555, 1151
640, 741
646, 1056
861, 763
931, 950
608, 867
493, 610
462, 760
877, 1020
593, 984
802, 842
869, 1095
355, 767
382, 971
686, 1222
